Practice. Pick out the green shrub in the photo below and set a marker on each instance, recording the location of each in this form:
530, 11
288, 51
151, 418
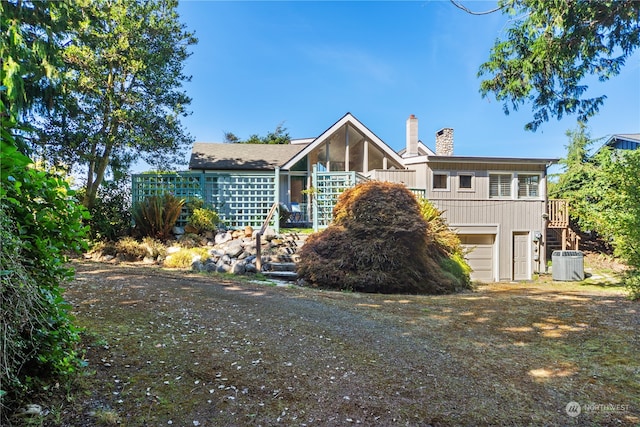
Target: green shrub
446, 241
111, 212
153, 247
194, 202
130, 249
632, 283
41, 222
185, 257
203, 219
104, 248
458, 268
191, 240
155, 216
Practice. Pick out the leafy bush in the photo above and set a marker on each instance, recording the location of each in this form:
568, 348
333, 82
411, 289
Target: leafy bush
111, 212
154, 247
41, 222
632, 283
458, 269
203, 219
191, 240
445, 240
155, 216
130, 249
185, 257
379, 242
447, 243
103, 248
194, 202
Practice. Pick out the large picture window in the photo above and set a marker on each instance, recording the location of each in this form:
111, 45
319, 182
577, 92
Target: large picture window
500, 185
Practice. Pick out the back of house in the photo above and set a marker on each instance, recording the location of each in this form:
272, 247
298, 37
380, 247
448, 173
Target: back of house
497, 205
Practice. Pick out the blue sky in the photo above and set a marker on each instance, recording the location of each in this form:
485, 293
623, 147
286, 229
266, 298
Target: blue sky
305, 64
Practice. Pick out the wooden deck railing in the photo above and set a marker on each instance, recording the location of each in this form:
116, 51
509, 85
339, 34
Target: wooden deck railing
558, 221
558, 211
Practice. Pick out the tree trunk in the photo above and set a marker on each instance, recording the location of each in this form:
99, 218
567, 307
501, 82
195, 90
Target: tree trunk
98, 177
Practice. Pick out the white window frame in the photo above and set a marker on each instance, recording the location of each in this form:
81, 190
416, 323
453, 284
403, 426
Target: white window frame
433, 181
511, 185
472, 189
517, 185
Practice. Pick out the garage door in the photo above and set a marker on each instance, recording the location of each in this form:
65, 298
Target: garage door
480, 257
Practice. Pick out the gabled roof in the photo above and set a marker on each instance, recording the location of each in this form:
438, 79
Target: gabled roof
225, 156
347, 118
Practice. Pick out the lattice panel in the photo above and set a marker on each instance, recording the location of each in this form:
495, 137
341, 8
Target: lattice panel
240, 200
329, 186
184, 185
245, 199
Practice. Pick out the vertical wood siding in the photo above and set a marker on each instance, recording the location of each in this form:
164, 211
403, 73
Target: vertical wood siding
510, 216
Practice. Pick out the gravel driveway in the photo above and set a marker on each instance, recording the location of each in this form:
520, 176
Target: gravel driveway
175, 348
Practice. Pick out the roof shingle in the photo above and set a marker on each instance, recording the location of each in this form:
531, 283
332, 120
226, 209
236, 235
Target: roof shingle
225, 156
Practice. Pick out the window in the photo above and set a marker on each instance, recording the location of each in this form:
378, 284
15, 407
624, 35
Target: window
440, 181
528, 185
465, 181
499, 185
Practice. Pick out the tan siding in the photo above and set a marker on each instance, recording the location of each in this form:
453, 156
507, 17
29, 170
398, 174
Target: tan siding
407, 177
481, 177
473, 209
509, 215
421, 175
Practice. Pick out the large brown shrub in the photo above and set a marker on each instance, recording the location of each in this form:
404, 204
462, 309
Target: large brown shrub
379, 242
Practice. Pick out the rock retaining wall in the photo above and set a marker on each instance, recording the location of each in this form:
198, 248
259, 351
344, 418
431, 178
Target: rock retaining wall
235, 251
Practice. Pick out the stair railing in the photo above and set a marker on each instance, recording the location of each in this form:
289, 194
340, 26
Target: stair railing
572, 239
558, 213
259, 234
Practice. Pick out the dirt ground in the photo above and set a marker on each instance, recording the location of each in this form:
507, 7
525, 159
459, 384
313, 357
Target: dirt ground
177, 348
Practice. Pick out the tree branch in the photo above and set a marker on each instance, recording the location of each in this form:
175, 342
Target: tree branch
466, 9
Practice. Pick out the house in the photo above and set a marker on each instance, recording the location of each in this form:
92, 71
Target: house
628, 141
497, 205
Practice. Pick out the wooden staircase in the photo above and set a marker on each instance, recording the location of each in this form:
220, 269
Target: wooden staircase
560, 235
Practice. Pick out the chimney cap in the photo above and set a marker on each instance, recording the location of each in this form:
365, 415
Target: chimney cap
412, 116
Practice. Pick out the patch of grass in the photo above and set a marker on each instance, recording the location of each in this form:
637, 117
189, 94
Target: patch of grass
297, 230
106, 417
185, 257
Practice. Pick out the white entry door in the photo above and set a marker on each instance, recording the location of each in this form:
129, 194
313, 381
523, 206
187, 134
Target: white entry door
521, 256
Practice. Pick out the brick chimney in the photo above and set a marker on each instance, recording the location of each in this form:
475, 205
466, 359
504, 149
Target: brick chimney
444, 142
412, 136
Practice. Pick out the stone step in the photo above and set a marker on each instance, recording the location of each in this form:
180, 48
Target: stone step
285, 275
280, 266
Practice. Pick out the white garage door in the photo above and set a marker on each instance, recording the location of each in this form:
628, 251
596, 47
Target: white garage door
480, 257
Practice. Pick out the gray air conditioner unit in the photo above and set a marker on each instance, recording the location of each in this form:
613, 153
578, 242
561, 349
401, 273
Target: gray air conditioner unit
567, 266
